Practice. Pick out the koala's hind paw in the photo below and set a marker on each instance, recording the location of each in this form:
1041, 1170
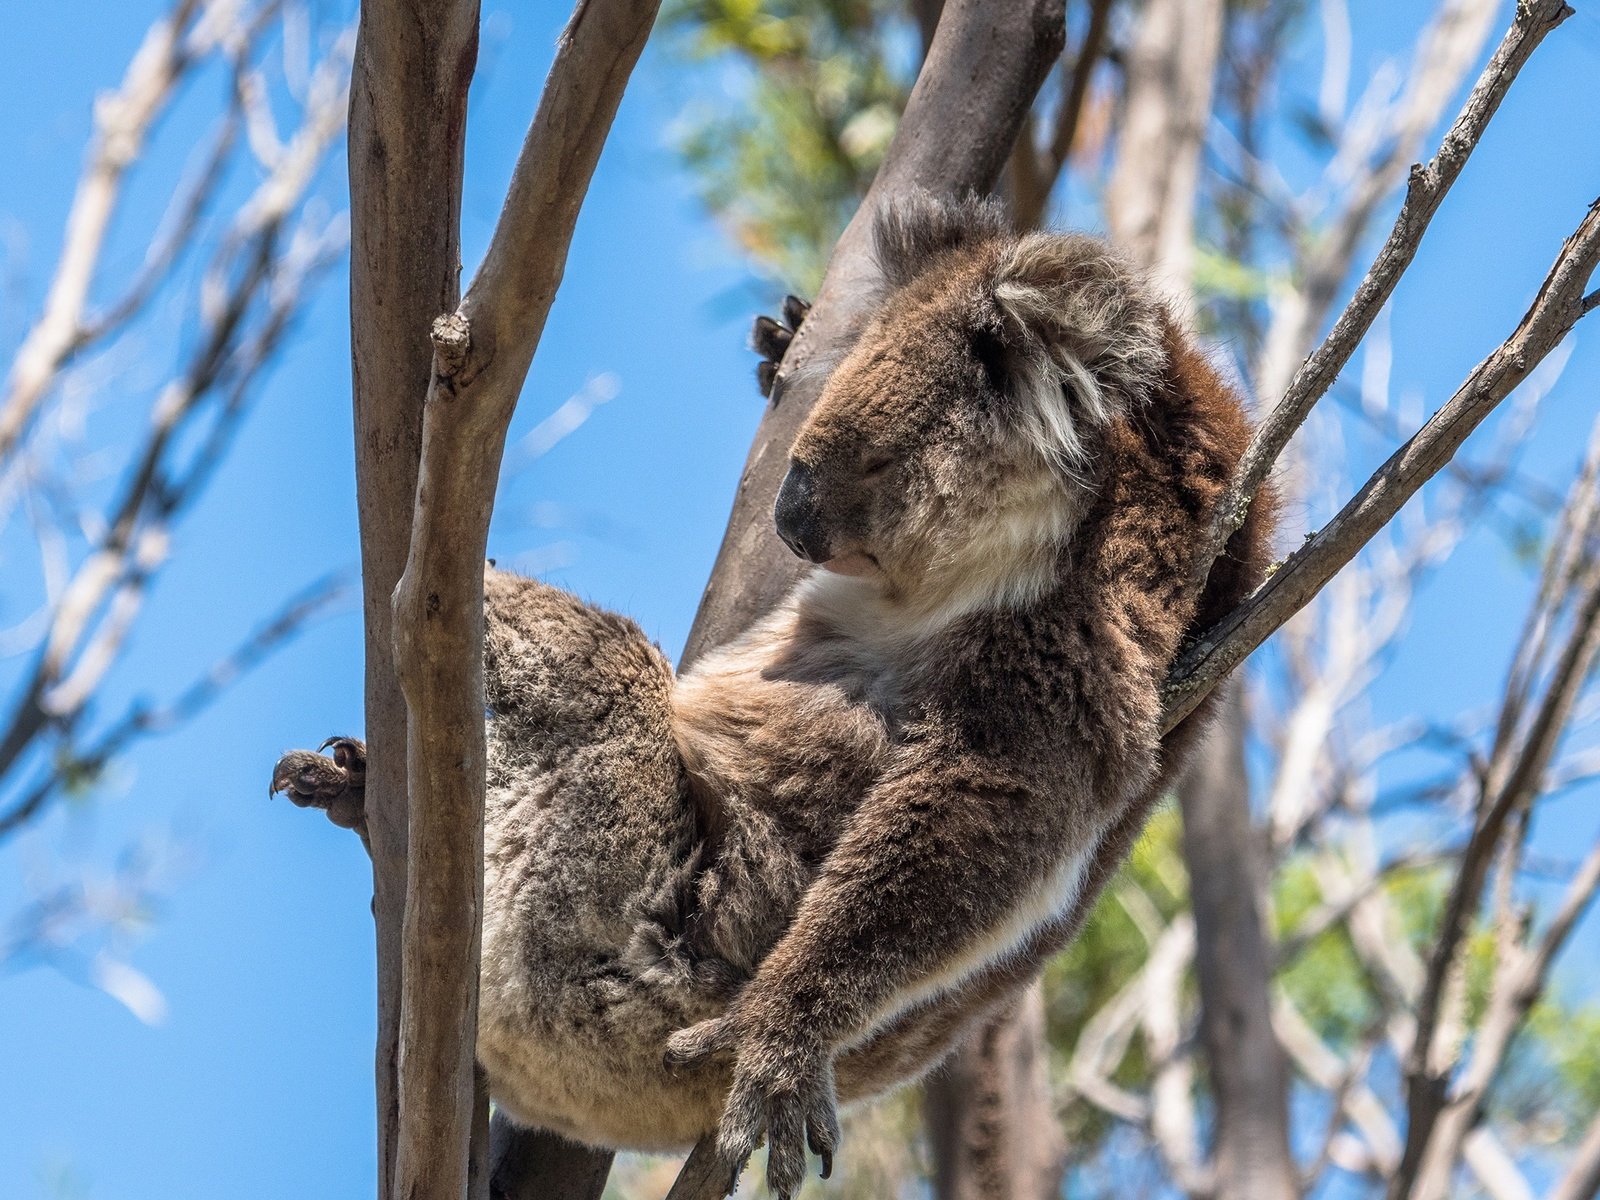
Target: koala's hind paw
771, 338
336, 784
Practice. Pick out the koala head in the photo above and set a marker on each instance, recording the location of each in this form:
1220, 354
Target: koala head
954, 448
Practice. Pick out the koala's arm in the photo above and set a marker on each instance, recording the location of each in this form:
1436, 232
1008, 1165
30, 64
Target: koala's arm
934, 867
945, 866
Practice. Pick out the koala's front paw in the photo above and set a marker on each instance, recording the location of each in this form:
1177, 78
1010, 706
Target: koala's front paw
337, 785
783, 1087
771, 339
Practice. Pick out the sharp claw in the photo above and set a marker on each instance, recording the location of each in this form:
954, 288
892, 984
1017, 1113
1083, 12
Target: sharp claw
827, 1165
795, 311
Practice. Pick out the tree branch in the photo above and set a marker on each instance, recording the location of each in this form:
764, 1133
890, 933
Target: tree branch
413, 63
1439, 1115
482, 352
1425, 192
1558, 307
1446, 51
142, 718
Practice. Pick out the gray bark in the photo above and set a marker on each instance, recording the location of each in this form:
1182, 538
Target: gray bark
1223, 849
426, 473
990, 1116
408, 104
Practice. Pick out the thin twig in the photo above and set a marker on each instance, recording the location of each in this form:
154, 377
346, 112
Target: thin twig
144, 719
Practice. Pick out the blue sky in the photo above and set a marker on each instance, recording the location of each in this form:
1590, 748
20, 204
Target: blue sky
259, 1079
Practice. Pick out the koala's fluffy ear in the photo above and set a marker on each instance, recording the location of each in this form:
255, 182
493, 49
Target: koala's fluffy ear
1084, 336
918, 228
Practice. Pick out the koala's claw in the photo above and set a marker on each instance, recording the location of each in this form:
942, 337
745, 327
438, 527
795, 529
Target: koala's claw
780, 1091
336, 784
795, 311
796, 1110
772, 337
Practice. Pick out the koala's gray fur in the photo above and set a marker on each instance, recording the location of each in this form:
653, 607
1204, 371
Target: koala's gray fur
807, 866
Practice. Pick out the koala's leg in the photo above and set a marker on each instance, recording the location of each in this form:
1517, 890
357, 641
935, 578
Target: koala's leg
336, 783
564, 673
582, 755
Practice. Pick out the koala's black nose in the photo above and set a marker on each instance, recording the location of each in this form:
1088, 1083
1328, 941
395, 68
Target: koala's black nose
797, 517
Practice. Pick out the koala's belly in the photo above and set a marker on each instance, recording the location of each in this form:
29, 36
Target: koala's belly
620, 1098
581, 1054
573, 1021
625, 1099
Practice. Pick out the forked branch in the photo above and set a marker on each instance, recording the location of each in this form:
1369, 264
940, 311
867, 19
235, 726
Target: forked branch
482, 352
1560, 304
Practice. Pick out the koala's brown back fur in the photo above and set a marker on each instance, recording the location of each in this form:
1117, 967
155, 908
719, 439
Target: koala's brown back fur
869, 820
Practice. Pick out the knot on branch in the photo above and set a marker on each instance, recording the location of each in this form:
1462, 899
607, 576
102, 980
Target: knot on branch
452, 340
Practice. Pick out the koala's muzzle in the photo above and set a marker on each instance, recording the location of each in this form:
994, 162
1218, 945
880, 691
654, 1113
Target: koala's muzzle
798, 516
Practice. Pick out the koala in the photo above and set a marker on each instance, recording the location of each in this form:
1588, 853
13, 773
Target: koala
797, 874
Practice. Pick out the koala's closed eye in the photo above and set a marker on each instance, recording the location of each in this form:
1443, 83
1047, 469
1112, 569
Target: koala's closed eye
876, 465
990, 352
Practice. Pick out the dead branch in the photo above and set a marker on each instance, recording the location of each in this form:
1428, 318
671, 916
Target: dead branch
1444, 54
1508, 786
1520, 978
171, 51
91, 618
142, 718
259, 275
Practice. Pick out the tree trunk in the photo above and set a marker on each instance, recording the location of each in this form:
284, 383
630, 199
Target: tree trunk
431, 421
990, 1116
1249, 1075
408, 107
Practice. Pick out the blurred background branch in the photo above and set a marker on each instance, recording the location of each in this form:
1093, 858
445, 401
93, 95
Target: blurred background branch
99, 463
